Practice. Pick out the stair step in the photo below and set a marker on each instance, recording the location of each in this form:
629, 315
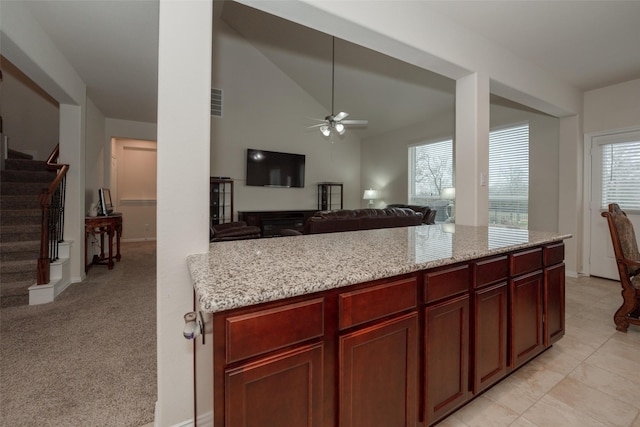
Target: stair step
16, 288
23, 188
18, 271
20, 216
20, 232
25, 164
21, 183
27, 251
17, 202
18, 266
13, 154
27, 175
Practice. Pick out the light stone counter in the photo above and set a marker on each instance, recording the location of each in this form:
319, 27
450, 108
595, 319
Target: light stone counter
246, 272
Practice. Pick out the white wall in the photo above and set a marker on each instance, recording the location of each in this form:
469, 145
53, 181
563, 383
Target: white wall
606, 110
94, 155
184, 127
385, 157
543, 162
264, 109
30, 120
135, 189
612, 108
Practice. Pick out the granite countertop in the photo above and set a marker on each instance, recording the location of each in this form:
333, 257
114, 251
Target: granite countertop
246, 272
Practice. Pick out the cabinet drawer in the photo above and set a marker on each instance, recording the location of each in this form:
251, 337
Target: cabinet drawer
526, 261
553, 254
373, 303
266, 330
491, 270
445, 283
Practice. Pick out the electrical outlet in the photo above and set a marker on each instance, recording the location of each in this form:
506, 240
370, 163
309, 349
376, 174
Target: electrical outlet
146, 227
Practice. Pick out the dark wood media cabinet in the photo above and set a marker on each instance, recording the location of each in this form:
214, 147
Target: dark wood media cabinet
271, 222
407, 350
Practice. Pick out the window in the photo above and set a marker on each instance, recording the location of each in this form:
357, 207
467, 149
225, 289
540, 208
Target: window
509, 176
621, 175
431, 170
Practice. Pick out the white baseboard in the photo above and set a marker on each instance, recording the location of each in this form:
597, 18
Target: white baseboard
59, 277
139, 239
42, 294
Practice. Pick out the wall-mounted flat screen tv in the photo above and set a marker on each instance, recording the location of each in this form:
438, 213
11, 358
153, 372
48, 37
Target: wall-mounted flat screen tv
273, 169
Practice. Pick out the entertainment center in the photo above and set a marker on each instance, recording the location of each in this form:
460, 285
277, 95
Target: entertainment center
271, 222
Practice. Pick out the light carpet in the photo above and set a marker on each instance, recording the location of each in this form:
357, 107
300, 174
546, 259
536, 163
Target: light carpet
89, 358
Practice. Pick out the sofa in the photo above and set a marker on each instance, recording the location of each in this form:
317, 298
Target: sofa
428, 214
360, 219
236, 230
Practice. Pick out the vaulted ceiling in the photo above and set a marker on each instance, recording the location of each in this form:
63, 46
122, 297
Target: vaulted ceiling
113, 45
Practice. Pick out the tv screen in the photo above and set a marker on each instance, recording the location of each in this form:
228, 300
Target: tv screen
273, 169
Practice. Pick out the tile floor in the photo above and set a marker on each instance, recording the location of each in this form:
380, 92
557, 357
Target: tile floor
591, 377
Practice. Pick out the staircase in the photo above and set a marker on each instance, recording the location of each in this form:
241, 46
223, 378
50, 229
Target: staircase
20, 224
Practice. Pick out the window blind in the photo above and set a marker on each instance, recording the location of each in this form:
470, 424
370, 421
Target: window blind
509, 176
431, 166
621, 175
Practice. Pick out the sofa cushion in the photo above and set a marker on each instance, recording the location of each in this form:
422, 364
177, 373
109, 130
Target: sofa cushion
361, 219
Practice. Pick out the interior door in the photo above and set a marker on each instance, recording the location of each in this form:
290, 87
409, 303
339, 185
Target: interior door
602, 259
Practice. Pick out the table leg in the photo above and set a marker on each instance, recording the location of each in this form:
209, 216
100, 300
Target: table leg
110, 263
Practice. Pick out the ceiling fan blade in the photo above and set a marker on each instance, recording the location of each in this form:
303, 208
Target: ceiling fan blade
317, 120
341, 115
355, 122
316, 126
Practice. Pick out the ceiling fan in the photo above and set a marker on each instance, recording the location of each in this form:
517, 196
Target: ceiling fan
335, 122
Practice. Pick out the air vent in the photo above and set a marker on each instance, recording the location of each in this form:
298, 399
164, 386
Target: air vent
216, 102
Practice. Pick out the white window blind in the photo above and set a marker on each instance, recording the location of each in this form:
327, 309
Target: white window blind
431, 166
509, 176
621, 175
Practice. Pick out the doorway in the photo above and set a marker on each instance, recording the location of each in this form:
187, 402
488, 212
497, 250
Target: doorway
615, 178
134, 186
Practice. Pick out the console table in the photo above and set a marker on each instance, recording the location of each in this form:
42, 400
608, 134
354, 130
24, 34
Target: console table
271, 222
111, 225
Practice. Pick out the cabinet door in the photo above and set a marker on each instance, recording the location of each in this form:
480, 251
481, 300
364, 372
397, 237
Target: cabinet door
526, 318
553, 304
284, 390
447, 357
490, 339
378, 374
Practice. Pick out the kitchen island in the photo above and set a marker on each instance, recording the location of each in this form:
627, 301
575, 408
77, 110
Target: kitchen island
381, 327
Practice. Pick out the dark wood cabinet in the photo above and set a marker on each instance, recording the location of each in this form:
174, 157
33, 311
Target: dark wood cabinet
378, 383
490, 336
554, 303
446, 357
284, 390
271, 222
401, 351
526, 317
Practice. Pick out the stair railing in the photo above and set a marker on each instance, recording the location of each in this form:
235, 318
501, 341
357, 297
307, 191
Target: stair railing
52, 205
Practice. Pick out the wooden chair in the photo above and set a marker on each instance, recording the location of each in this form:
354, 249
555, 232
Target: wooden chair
625, 248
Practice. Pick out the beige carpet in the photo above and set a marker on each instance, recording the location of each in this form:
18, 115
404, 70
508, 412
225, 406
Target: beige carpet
89, 358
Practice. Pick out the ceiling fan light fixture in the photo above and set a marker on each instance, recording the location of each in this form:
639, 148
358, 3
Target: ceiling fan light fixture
325, 130
340, 128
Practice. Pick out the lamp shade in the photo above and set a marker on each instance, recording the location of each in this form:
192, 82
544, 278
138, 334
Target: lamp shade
370, 194
448, 193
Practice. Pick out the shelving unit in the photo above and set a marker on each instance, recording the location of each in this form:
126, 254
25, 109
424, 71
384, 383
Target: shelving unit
220, 200
329, 194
